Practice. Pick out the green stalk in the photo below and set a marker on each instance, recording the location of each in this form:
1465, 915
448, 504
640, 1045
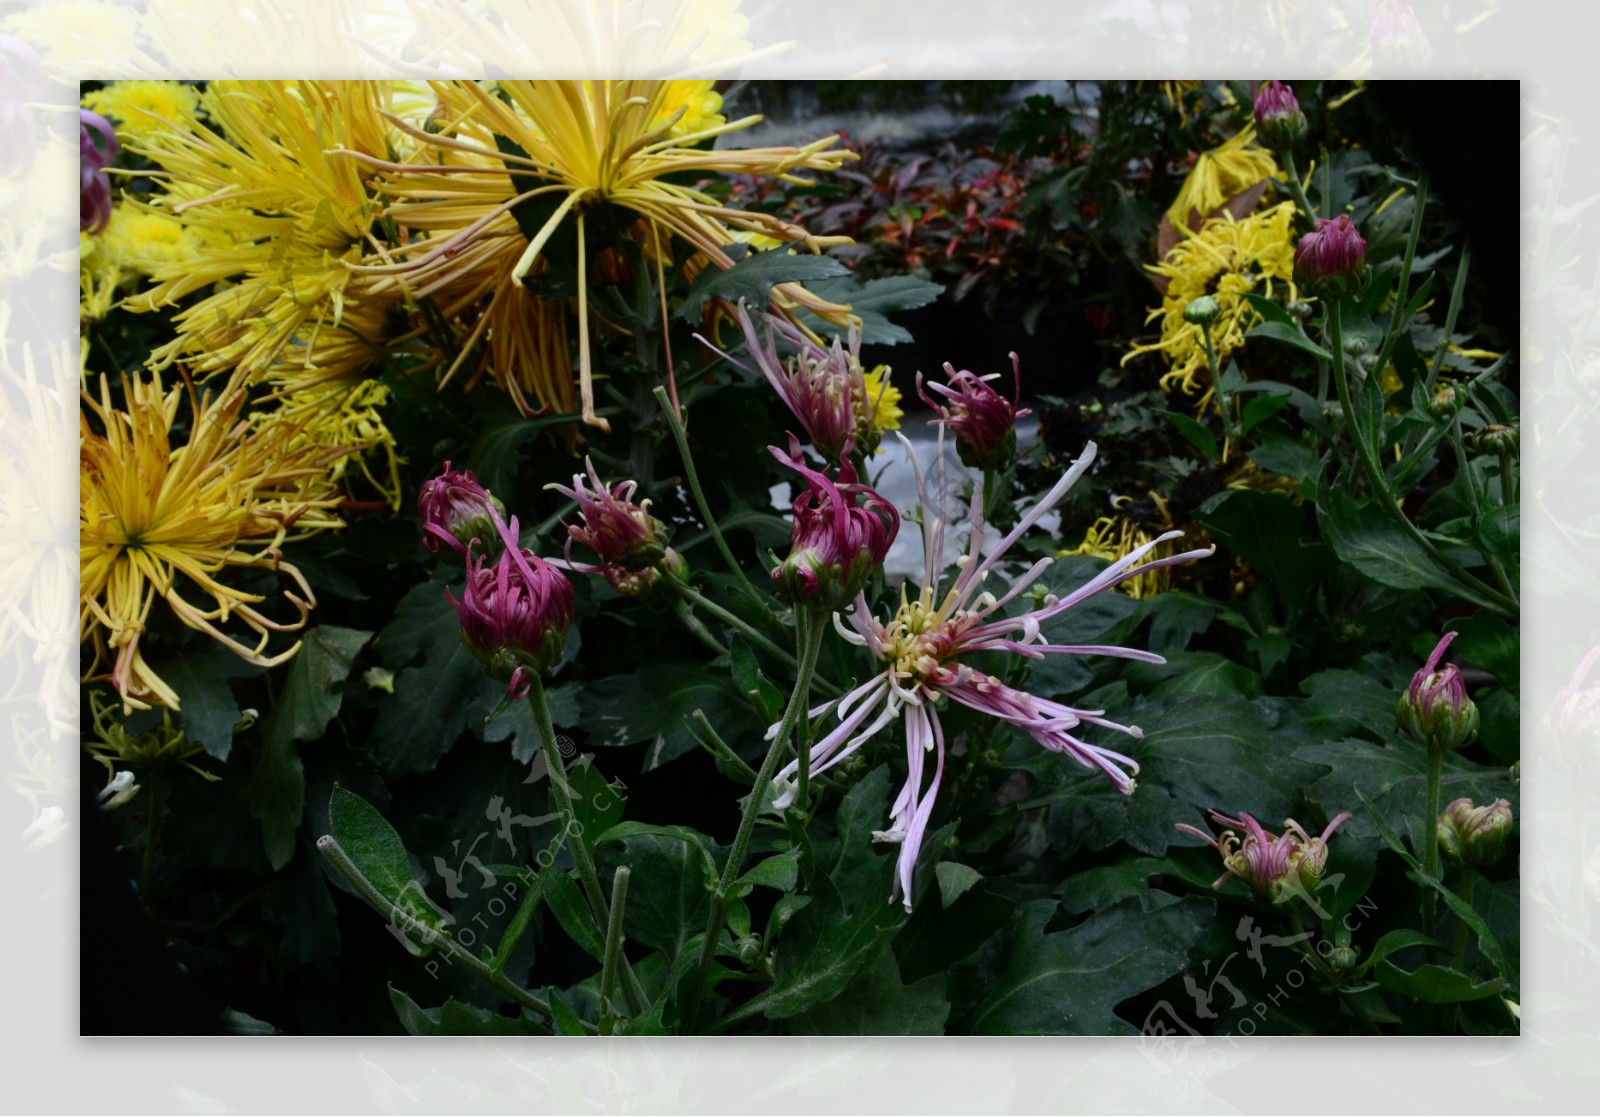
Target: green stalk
697, 629
1458, 953
721, 748
809, 648
693, 477
1479, 499
1508, 480
1296, 190
1224, 405
561, 791
613, 952
524, 916
805, 621
1430, 842
458, 955
1471, 587
1395, 317
1456, 293
752, 634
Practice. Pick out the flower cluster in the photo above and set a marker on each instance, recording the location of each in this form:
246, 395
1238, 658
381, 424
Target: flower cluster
920, 649
630, 543
97, 150
983, 420
835, 401
1226, 260
1278, 866
836, 544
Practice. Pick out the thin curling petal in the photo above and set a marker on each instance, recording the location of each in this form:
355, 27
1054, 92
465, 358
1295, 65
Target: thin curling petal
920, 649
836, 542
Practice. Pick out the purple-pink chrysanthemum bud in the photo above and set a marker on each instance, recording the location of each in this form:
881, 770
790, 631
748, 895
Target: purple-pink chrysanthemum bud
823, 388
1331, 260
97, 150
457, 511
983, 420
836, 544
1397, 39
1435, 711
615, 526
630, 543
1277, 866
515, 612
1279, 121
20, 79
1474, 835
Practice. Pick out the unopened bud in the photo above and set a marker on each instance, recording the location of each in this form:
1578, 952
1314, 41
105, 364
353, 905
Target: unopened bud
1474, 835
1435, 711
1279, 121
1445, 404
1202, 311
458, 512
1331, 260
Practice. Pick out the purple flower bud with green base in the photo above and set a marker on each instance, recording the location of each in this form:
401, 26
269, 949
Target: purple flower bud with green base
1278, 867
97, 150
620, 530
1331, 260
515, 612
457, 511
836, 544
1435, 711
1279, 122
1474, 835
984, 421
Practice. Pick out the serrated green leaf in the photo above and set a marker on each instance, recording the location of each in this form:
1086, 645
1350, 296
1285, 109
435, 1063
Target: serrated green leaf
753, 276
650, 706
453, 1018
1287, 334
1361, 535
954, 879
879, 1003
1264, 530
1070, 982
207, 710
1435, 984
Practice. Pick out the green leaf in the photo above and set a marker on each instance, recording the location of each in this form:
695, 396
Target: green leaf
872, 301
1392, 943
674, 868
651, 704
954, 879
1194, 433
311, 697
781, 872
1289, 335
566, 1021
1281, 454
1344, 702
1070, 982
378, 852
1176, 618
207, 710
1193, 673
1488, 945
1268, 309
1108, 885
753, 276
453, 1018
1259, 410
566, 902
879, 1003
1364, 537
1485, 641
1264, 529
496, 451
1439, 985
427, 712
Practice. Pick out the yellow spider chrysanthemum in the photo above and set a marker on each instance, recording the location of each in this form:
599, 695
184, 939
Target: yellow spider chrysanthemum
345, 418
139, 107
1220, 174
701, 109
571, 149
1115, 537
1226, 259
137, 241
288, 217
150, 511
882, 410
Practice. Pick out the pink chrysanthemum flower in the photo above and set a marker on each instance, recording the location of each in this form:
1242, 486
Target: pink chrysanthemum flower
1277, 866
983, 420
920, 649
836, 542
97, 150
630, 543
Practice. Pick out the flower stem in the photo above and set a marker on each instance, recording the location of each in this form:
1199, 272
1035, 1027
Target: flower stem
454, 951
693, 477
810, 645
1224, 405
1430, 841
1296, 190
805, 621
613, 952
1458, 953
1470, 587
698, 629
750, 633
561, 791
532, 893
1397, 315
